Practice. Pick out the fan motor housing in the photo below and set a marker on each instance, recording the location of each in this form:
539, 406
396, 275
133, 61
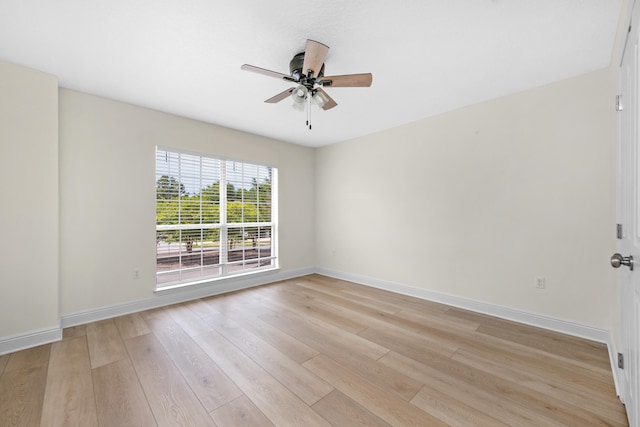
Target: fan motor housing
295, 67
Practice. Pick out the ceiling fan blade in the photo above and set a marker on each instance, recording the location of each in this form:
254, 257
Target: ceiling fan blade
279, 97
347, 80
314, 55
266, 72
330, 103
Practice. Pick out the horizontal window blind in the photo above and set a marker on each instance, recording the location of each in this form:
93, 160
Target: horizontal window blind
214, 218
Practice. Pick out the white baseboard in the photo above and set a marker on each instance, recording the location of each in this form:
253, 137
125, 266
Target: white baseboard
160, 299
545, 322
178, 295
32, 339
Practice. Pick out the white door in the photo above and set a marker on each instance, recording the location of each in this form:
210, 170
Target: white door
629, 219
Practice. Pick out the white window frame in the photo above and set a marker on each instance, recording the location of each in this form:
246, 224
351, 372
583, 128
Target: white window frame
224, 226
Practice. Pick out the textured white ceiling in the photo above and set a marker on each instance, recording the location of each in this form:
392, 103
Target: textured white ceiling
426, 56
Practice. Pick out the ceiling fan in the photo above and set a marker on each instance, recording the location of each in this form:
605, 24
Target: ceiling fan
307, 69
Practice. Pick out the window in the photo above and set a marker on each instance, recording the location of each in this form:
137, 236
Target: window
214, 218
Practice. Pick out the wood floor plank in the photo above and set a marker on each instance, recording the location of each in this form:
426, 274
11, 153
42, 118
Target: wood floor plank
285, 343
131, 325
233, 301
419, 347
152, 312
303, 383
539, 339
22, 391
590, 353
105, 343
472, 316
29, 358
427, 319
352, 307
402, 302
451, 410
172, 401
74, 331
3, 362
385, 377
240, 413
69, 398
307, 306
324, 338
534, 337
607, 408
337, 290
119, 396
386, 406
278, 404
348, 350
340, 410
471, 394
445, 339
22, 387
541, 363
407, 320
200, 308
188, 320
212, 386
518, 394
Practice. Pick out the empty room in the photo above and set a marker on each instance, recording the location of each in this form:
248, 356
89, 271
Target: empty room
339, 213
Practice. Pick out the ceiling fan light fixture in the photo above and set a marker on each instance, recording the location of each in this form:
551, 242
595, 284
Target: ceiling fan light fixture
320, 99
299, 94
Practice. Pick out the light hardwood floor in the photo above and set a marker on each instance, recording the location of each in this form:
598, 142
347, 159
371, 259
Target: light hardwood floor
312, 351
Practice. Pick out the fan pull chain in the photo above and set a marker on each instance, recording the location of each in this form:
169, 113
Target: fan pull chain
309, 111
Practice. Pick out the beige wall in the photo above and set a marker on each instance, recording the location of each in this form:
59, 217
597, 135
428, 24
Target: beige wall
29, 213
478, 202
107, 190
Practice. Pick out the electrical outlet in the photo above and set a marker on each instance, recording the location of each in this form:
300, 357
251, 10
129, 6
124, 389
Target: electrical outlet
135, 274
540, 282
